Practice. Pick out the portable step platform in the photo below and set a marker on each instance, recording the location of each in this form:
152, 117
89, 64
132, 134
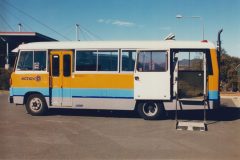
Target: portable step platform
191, 125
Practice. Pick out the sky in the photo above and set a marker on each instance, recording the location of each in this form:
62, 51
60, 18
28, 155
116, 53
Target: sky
127, 19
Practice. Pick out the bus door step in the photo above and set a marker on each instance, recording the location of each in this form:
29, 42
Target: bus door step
191, 126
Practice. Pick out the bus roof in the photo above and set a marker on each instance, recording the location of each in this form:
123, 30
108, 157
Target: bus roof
162, 45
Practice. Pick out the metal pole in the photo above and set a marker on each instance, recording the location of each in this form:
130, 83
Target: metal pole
176, 110
203, 28
7, 64
77, 32
20, 27
7, 53
204, 74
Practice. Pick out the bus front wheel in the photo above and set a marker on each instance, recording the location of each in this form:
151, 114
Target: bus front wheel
36, 105
150, 110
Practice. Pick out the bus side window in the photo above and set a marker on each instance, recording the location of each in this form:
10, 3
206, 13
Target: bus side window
128, 60
107, 60
55, 65
66, 65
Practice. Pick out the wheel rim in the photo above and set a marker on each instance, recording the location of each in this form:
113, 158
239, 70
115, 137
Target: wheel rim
35, 104
150, 109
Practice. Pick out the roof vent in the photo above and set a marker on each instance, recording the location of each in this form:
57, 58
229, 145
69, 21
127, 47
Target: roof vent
171, 36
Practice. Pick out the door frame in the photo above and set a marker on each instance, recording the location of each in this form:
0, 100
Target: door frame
60, 79
175, 62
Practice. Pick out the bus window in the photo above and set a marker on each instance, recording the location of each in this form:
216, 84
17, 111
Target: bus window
152, 61
55, 65
25, 62
108, 60
86, 60
190, 60
39, 61
66, 65
128, 60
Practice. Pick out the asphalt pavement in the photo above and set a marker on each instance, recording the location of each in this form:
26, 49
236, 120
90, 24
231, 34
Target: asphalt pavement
91, 134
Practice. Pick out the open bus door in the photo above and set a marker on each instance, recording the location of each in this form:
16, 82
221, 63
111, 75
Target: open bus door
190, 77
152, 76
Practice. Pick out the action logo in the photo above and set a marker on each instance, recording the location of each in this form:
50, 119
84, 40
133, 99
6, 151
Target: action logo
37, 78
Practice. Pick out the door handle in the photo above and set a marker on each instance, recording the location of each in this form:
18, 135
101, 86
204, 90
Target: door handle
136, 78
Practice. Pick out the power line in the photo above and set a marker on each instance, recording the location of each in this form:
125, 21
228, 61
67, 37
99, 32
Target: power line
35, 19
83, 34
6, 22
91, 33
20, 20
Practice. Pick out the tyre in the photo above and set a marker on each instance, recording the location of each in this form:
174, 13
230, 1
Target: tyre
36, 105
150, 110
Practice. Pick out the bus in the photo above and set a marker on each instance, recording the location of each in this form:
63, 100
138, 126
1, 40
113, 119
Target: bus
149, 77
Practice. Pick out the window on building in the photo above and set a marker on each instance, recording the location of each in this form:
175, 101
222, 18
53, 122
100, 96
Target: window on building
152, 61
128, 60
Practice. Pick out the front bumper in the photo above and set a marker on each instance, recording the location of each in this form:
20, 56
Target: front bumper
10, 99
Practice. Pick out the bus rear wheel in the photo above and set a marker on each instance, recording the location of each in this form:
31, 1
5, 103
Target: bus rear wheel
36, 105
150, 110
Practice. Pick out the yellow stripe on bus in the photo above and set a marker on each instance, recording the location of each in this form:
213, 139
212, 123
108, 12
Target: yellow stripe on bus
124, 81
30, 80
213, 79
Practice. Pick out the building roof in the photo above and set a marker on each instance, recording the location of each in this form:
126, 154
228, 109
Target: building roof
116, 45
24, 37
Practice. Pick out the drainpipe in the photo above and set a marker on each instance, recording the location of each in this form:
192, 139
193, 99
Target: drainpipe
219, 50
6, 65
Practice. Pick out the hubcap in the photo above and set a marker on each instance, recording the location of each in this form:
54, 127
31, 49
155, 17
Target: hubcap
150, 109
35, 104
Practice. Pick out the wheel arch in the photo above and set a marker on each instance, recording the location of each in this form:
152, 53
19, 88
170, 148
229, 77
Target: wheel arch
142, 101
26, 96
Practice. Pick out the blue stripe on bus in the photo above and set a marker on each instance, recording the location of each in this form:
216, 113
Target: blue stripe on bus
102, 97
111, 93
10, 91
213, 95
23, 91
76, 92
88, 93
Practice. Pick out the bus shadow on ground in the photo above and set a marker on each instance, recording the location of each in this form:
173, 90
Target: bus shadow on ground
94, 113
222, 114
